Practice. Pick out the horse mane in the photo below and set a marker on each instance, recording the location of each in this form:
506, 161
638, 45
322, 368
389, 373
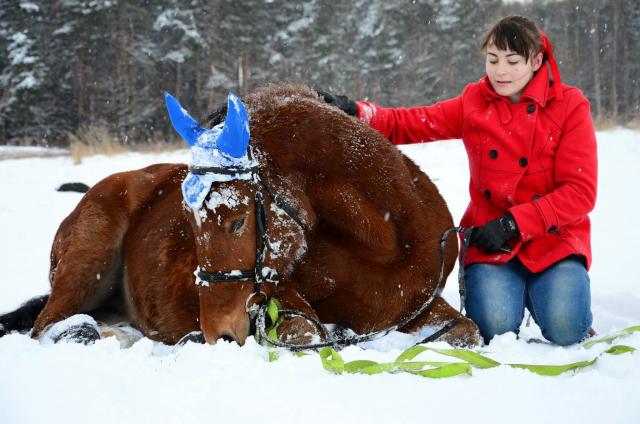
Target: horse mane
265, 96
300, 132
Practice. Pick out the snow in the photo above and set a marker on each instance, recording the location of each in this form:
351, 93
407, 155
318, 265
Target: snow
6, 151
28, 81
182, 21
29, 7
151, 382
64, 29
19, 49
228, 196
60, 327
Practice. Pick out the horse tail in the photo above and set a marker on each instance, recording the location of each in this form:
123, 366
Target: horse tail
22, 319
78, 187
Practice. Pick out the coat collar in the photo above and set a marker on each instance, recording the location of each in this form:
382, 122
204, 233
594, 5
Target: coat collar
537, 90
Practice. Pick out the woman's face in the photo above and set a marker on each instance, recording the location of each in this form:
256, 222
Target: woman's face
508, 72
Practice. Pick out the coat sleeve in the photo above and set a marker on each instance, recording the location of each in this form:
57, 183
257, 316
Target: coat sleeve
440, 121
575, 172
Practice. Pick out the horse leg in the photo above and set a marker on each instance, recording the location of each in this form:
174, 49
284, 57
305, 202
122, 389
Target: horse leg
464, 333
85, 259
296, 329
350, 212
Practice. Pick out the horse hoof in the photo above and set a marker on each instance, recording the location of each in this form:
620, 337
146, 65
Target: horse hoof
464, 334
194, 336
84, 333
78, 328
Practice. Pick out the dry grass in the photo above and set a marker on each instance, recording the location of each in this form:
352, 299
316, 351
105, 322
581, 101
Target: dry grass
634, 124
96, 139
605, 124
608, 123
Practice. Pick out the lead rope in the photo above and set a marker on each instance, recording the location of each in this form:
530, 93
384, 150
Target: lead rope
462, 288
348, 341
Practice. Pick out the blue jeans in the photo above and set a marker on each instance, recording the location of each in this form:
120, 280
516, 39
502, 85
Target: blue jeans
558, 298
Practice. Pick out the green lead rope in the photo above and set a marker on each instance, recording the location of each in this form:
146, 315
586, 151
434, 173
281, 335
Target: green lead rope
273, 306
333, 362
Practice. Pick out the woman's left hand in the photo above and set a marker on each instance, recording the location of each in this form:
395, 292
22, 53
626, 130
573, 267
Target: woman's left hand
493, 236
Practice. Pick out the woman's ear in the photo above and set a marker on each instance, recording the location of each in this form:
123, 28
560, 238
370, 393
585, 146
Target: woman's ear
537, 62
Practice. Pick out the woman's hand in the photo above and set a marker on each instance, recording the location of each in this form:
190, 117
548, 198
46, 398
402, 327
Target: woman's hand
494, 235
343, 103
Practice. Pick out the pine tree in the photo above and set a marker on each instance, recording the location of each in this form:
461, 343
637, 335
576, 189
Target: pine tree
25, 115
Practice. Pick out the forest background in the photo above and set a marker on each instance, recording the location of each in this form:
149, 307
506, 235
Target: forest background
70, 67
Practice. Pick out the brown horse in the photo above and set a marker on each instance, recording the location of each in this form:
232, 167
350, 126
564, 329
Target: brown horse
352, 231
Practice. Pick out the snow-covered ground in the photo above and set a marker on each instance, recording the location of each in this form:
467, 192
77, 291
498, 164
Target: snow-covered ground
150, 382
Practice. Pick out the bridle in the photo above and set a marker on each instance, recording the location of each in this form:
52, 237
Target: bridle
259, 274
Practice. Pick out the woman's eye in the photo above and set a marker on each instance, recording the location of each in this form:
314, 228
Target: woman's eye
492, 62
513, 63
236, 225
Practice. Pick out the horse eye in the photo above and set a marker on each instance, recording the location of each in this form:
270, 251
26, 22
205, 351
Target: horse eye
236, 225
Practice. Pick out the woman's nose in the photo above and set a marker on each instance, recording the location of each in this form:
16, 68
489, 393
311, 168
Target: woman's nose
501, 70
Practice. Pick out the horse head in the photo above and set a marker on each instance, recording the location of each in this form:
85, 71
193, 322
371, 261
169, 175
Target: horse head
246, 237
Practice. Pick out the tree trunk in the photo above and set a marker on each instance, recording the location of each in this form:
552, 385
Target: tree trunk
178, 80
595, 49
615, 62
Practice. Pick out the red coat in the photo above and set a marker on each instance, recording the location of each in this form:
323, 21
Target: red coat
536, 159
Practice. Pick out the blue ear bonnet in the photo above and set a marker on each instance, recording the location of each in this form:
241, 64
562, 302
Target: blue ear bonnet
223, 146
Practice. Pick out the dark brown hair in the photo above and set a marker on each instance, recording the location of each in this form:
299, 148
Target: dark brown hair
515, 33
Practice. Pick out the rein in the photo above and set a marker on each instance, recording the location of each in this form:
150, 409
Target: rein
262, 274
348, 341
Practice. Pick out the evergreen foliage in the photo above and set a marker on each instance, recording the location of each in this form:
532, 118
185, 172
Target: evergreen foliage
74, 63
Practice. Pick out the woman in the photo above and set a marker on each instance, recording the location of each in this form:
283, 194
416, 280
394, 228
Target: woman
533, 167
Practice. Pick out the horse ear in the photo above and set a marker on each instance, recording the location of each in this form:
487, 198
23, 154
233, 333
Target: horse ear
234, 138
183, 123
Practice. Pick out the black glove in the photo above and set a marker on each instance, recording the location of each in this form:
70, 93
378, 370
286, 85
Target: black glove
494, 235
343, 103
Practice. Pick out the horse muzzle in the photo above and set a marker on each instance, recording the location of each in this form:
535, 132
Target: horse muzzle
231, 331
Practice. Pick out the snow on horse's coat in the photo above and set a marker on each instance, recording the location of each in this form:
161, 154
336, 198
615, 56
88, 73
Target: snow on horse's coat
368, 254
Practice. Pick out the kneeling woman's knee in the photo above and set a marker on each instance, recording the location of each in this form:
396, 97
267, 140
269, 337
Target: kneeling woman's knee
566, 330
494, 321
